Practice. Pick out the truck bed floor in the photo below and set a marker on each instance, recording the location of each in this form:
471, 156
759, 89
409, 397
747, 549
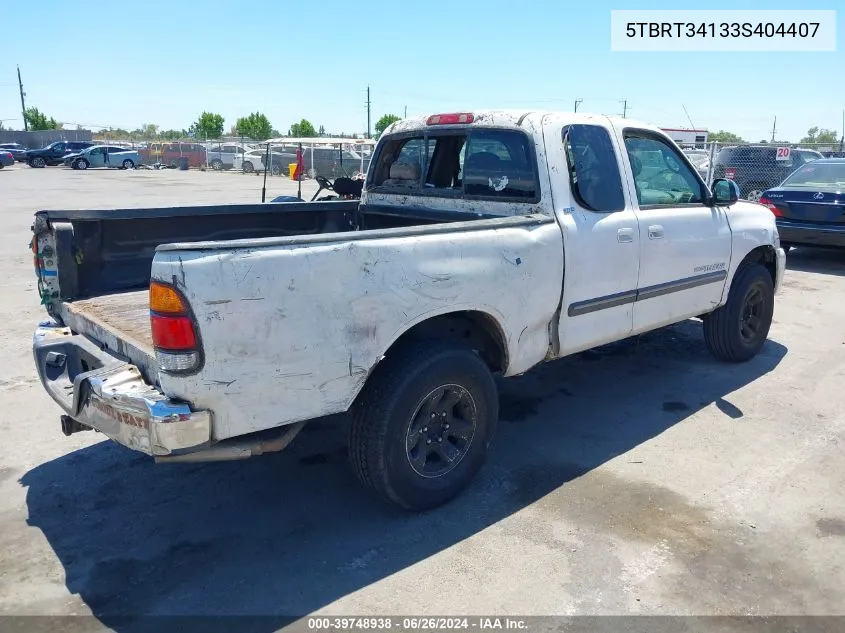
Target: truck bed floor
125, 315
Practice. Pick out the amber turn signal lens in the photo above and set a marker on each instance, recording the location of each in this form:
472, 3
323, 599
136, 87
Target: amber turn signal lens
166, 300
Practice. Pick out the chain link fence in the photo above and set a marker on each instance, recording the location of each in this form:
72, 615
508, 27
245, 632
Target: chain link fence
320, 157
755, 167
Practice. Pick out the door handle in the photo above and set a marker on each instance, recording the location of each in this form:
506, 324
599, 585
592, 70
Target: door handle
625, 235
655, 232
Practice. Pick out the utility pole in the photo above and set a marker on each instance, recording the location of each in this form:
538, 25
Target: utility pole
774, 127
624, 108
23, 104
406, 112
842, 138
368, 112
577, 101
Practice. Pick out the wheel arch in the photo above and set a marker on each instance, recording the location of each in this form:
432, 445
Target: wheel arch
764, 255
477, 329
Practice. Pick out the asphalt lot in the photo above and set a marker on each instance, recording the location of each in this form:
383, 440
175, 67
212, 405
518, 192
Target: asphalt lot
644, 477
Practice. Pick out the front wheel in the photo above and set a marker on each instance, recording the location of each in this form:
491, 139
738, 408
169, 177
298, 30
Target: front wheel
248, 167
421, 428
737, 331
128, 164
80, 163
37, 162
217, 164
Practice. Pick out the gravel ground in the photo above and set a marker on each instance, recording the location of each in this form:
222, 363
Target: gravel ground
641, 478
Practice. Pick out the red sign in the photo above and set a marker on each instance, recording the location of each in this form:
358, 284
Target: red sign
730, 172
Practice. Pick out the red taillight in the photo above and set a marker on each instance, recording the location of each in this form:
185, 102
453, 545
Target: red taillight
173, 333
771, 205
730, 172
450, 119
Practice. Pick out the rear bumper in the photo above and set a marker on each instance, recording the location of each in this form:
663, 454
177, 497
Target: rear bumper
105, 393
811, 234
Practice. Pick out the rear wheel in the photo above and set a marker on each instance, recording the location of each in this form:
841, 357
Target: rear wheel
37, 162
128, 164
248, 167
737, 331
217, 164
276, 170
421, 428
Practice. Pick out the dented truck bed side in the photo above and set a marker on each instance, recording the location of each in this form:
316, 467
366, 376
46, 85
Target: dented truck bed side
291, 328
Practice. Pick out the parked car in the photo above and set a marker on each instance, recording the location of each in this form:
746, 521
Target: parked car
756, 168
170, 153
700, 159
104, 156
17, 151
6, 158
201, 333
809, 206
222, 155
54, 153
253, 160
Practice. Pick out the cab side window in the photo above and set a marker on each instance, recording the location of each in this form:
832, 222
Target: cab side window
594, 176
661, 176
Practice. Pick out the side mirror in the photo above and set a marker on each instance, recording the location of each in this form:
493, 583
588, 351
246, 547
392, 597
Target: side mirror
725, 192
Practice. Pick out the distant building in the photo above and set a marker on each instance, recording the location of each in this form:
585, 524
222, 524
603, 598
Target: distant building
687, 137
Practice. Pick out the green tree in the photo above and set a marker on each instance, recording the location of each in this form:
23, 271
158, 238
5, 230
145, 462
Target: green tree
303, 129
37, 120
208, 125
383, 123
816, 135
724, 137
256, 126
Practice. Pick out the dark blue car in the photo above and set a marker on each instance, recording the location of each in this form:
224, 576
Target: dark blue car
809, 206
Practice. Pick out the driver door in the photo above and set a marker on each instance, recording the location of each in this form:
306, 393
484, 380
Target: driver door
96, 157
685, 244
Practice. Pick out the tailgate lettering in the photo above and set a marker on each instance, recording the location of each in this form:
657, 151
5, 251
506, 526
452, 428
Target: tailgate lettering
123, 417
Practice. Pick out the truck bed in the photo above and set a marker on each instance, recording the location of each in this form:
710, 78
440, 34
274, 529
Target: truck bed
120, 321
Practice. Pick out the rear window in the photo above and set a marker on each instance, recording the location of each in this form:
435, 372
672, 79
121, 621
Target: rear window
479, 163
821, 175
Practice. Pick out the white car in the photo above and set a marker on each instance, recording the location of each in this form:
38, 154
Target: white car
222, 155
254, 161
559, 232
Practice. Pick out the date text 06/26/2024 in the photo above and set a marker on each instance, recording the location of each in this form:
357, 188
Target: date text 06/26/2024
414, 623
723, 30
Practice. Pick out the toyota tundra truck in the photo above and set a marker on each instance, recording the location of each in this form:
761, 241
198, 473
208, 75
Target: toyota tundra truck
484, 243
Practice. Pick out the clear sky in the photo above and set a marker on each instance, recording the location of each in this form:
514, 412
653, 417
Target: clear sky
123, 64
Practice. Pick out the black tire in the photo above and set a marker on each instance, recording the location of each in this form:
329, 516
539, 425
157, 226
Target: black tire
275, 170
729, 332
81, 163
217, 164
37, 162
128, 164
248, 167
392, 405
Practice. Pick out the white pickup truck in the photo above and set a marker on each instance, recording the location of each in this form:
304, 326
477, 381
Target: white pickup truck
484, 243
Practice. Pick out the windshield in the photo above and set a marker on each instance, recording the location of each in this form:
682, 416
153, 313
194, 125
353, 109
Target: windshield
818, 175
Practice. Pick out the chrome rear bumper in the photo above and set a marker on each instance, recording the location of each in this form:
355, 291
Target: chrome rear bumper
110, 395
